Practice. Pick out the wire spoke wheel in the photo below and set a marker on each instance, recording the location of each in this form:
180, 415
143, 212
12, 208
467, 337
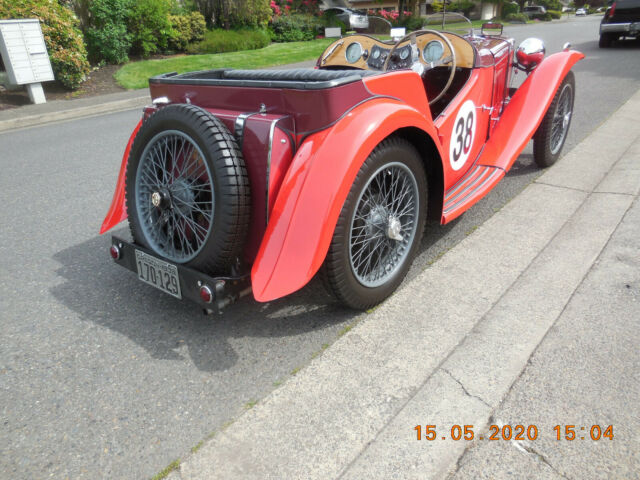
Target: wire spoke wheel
380, 226
383, 224
561, 118
175, 195
554, 128
187, 189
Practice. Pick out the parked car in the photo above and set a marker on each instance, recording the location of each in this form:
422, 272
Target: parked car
253, 181
622, 19
534, 11
581, 12
354, 19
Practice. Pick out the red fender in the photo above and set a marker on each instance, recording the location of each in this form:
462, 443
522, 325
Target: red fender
526, 109
313, 192
118, 210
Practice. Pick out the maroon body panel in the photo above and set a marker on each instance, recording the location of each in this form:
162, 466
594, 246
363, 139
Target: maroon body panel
312, 110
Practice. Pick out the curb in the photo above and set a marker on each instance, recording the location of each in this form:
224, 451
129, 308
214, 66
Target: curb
73, 113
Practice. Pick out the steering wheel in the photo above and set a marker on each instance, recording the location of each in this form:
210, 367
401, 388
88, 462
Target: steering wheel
420, 65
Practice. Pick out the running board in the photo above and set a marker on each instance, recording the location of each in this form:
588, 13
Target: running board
476, 183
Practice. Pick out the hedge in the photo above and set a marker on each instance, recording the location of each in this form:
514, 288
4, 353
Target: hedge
219, 41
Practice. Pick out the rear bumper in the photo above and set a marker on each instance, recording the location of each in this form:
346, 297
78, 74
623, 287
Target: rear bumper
633, 28
226, 290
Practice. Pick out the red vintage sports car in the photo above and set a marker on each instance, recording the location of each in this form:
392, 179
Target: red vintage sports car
240, 181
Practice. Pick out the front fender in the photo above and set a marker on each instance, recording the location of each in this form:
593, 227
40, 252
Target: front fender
526, 109
313, 192
118, 210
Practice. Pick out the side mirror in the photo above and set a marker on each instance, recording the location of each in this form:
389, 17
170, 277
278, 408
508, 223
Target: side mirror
530, 53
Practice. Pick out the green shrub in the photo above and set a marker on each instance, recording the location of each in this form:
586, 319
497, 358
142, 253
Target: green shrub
294, 28
149, 26
550, 4
187, 29
555, 14
330, 19
516, 18
64, 42
462, 6
508, 8
220, 41
249, 13
107, 36
412, 23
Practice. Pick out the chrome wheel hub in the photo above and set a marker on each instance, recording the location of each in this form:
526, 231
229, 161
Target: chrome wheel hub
383, 225
156, 199
394, 227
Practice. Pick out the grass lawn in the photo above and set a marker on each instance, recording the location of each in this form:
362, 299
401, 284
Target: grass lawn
136, 74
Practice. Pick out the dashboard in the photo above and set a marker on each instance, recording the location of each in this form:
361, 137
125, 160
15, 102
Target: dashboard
365, 52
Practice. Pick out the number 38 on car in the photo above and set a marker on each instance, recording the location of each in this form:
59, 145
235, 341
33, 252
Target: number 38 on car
240, 182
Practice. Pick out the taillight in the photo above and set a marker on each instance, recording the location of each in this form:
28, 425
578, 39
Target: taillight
613, 9
114, 251
206, 294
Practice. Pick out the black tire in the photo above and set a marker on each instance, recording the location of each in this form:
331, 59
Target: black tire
606, 39
371, 214
206, 188
552, 132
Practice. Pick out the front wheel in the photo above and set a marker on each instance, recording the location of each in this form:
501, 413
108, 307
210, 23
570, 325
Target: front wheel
380, 226
552, 132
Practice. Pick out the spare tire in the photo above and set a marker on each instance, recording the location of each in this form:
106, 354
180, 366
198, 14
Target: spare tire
187, 189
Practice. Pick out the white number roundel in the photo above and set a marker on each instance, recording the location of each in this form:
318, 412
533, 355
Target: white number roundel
462, 135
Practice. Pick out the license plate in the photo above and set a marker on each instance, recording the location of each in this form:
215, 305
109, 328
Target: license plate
160, 274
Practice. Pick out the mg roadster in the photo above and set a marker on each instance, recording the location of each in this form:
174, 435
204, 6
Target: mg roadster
253, 181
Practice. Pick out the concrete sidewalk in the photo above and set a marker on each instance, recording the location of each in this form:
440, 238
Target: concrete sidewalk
450, 345
60, 110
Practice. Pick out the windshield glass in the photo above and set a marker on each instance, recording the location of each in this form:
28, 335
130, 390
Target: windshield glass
449, 22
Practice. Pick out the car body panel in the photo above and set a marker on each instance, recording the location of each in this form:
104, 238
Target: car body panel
521, 117
313, 192
622, 17
304, 141
118, 211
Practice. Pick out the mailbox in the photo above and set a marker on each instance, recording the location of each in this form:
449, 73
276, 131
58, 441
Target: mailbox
25, 55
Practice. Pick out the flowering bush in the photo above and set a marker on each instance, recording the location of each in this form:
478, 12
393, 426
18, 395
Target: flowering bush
286, 7
63, 39
294, 20
294, 28
408, 20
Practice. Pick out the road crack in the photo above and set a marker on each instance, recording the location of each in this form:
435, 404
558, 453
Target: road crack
464, 388
542, 458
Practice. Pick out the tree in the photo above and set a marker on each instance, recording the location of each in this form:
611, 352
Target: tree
235, 13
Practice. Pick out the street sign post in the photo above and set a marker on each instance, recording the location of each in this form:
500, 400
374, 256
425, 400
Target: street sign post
25, 56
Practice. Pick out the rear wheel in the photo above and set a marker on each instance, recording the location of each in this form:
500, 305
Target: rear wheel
187, 189
552, 132
380, 226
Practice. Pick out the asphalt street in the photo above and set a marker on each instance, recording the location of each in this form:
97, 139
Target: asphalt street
104, 377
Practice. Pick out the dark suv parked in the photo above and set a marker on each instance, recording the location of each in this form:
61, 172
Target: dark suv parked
622, 19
